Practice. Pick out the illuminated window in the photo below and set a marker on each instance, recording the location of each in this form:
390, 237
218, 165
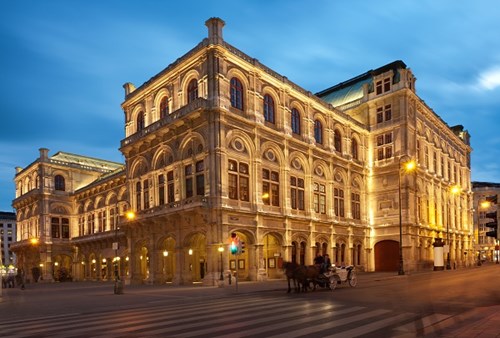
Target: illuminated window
238, 181
319, 198
270, 187
236, 93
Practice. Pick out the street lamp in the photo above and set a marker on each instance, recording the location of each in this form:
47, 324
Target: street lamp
454, 191
221, 250
130, 216
407, 167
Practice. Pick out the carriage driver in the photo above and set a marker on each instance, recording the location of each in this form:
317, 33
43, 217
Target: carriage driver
319, 261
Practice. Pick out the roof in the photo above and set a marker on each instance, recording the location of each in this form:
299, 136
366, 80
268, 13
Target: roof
352, 89
89, 162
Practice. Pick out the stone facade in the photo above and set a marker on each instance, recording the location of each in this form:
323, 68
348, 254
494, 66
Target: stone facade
218, 143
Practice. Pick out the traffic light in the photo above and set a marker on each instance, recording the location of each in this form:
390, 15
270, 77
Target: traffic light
235, 244
494, 225
241, 248
492, 199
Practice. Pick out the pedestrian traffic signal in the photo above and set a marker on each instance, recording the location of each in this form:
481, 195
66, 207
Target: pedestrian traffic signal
233, 247
494, 225
235, 244
492, 199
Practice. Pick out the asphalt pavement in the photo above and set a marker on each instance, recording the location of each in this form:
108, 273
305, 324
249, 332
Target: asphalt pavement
32, 301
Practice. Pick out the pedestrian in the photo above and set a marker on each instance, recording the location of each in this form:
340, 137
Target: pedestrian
327, 262
20, 274
319, 261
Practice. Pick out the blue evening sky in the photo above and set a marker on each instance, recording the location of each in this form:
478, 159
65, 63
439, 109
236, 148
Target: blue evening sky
63, 62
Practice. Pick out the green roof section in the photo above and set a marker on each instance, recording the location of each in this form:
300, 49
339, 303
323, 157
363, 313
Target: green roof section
352, 90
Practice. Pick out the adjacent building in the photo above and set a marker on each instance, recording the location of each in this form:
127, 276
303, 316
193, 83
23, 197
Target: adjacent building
219, 144
485, 193
7, 237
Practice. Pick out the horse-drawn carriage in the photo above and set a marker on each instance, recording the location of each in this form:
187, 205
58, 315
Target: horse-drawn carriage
302, 276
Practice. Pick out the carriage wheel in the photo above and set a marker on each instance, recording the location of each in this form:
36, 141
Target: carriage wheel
333, 283
353, 280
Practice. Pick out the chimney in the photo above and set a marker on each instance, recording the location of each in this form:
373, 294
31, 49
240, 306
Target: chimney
44, 154
215, 30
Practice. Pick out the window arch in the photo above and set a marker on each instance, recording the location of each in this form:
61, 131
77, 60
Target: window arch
192, 90
295, 121
59, 183
163, 107
318, 131
140, 121
269, 108
354, 149
337, 140
236, 93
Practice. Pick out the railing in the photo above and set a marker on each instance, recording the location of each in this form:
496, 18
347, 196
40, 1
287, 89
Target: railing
199, 103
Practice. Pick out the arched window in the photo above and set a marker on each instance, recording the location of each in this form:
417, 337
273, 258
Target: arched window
192, 90
318, 131
140, 121
295, 121
354, 149
268, 108
236, 93
337, 141
163, 107
59, 183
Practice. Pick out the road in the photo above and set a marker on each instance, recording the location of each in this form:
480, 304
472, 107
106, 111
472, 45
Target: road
381, 305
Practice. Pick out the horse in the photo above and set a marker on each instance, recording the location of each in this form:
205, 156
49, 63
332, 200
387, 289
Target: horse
291, 269
301, 275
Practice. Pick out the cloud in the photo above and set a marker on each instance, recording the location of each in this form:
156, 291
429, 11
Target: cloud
490, 79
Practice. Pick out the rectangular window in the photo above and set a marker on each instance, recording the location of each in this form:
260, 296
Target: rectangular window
146, 194
188, 172
356, 206
338, 202
384, 113
384, 146
319, 198
200, 178
65, 228
297, 193
378, 87
161, 189
270, 187
170, 187
238, 181
387, 84
55, 227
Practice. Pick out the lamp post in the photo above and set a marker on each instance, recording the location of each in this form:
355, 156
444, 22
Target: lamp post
408, 166
118, 287
221, 250
454, 190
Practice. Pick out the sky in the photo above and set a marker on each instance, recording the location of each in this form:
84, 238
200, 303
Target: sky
63, 62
